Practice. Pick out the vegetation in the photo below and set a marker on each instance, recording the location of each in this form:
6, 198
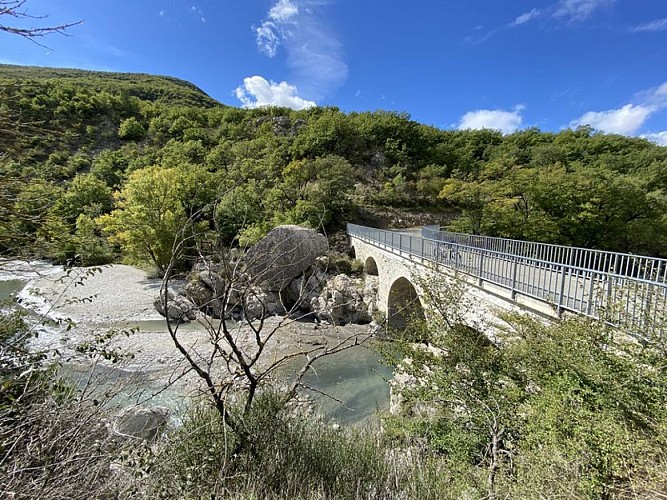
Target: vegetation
572, 409
102, 166
63, 131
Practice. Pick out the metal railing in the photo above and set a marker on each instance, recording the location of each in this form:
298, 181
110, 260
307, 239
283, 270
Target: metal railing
636, 266
626, 290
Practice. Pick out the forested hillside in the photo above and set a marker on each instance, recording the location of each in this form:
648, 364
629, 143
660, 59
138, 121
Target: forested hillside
103, 165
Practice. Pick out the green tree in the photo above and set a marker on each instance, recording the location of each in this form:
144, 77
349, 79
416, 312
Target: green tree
569, 403
148, 216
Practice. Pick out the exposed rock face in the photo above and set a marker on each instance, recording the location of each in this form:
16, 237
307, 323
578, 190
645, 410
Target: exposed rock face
205, 287
284, 273
370, 293
179, 308
283, 254
341, 302
259, 304
302, 290
202, 297
140, 422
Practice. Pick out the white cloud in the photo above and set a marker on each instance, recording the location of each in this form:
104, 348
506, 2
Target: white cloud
268, 38
660, 138
569, 11
625, 120
283, 11
528, 16
256, 92
314, 53
499, 119
651, 26
579, 10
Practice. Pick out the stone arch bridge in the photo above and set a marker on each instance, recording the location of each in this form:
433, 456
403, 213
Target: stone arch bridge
500, 275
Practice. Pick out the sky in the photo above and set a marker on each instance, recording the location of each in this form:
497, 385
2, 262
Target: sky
453, 64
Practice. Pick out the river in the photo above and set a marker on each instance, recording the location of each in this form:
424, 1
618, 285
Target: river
357, 378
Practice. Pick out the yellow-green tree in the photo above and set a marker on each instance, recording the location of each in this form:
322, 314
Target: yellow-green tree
148, 217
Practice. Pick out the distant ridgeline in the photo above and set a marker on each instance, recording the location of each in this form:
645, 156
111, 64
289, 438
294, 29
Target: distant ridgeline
80, 152
146, 87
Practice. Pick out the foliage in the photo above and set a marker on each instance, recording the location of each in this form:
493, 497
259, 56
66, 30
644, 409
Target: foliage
293, 457
131, 129
148, 217
565, 398
274, 166
53, 444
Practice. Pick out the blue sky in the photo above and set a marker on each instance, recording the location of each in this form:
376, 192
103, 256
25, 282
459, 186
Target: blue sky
505, 64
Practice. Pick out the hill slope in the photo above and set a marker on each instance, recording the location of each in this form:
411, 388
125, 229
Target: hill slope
63, 132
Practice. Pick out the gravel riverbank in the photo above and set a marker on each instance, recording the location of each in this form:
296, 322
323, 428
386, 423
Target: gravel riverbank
121, 297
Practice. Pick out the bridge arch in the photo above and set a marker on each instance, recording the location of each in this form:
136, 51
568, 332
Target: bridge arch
403, 305
371, 267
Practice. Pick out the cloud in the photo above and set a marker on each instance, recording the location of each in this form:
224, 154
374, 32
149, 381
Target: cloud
570, 11
314, 53
629, 118
576, 11
257, 92
499, 119
625, 120
660, 138
268, 38
528, 16
283, 11
651, 26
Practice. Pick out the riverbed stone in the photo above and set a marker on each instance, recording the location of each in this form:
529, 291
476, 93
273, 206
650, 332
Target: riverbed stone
140, 422
341, 302
283, 254
179, 307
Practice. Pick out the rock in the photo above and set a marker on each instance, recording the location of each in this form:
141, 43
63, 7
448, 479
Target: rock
179, 307
202, 297
370, 294
260, 304
302, 290
140, 422
283, 254
341, 302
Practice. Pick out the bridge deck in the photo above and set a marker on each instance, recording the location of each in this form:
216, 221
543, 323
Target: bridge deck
631, 296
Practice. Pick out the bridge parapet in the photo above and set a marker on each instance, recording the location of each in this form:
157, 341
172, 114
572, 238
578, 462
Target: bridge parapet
626, 290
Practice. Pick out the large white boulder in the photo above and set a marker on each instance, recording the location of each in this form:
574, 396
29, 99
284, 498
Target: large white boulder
283, 254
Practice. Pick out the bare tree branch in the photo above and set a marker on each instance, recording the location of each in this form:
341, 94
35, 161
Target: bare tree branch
17, 9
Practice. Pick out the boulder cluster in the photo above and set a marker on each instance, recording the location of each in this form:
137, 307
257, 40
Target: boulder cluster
285, 273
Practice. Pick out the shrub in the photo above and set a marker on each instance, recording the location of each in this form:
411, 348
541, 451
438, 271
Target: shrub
131, 129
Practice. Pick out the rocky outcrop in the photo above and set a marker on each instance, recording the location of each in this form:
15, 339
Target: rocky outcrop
257, 304
303, 289
284, 273
140, 422
206, 288
283, 254
179, 308
341, 301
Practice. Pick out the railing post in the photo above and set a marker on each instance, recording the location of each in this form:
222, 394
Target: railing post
591, 297
481, 268
422, 253
513, 291
559, 308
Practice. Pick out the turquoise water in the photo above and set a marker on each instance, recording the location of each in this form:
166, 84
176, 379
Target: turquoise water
355, 377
